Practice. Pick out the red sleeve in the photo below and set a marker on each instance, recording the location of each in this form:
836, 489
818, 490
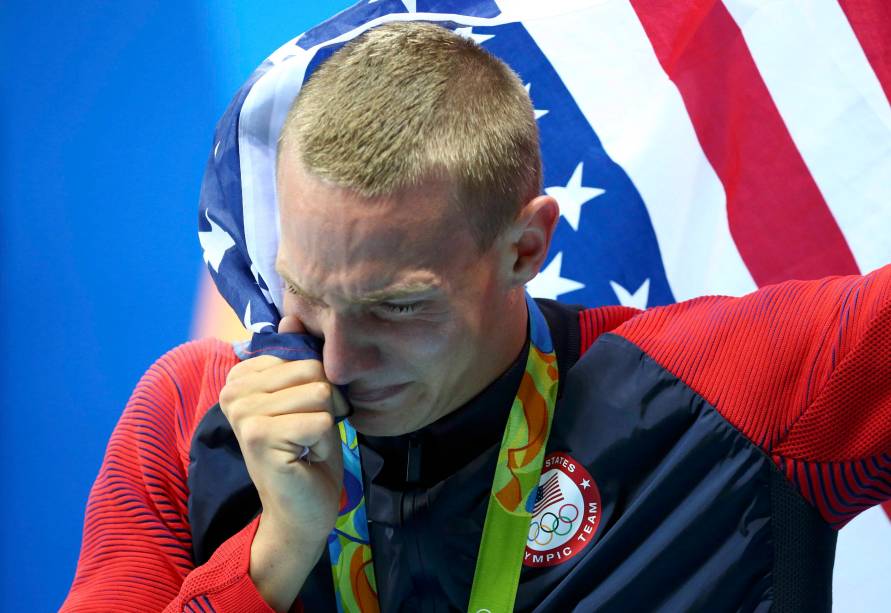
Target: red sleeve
596, 321
803, 369
136, 550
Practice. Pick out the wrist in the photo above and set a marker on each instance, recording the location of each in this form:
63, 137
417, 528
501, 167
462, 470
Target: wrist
281, 560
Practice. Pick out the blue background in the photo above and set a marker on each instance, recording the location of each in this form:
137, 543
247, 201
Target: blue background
107, 112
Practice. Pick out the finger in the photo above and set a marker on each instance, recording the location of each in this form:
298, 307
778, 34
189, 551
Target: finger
288, 373
292, 432
291, 324
307, 398
320, 451
253, 365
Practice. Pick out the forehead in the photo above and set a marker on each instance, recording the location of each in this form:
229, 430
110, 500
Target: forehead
334, 239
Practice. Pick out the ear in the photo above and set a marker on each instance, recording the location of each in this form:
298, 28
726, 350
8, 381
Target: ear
530, 237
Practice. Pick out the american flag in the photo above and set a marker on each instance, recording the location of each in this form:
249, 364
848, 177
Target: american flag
695, 147
548, 493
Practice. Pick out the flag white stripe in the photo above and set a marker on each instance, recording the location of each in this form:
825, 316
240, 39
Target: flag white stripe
260, 120
604, 57
835, 110
862, 558
546, 503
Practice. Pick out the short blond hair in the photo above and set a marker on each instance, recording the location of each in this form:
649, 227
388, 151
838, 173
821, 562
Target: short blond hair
407, 102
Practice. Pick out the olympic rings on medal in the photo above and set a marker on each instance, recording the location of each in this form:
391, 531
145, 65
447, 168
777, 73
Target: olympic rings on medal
550, 524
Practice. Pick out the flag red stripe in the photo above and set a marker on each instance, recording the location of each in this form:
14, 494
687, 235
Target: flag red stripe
778, 218
871, 22
551, 486
546, 502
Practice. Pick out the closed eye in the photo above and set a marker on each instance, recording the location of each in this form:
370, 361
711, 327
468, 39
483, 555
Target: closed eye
400, 309
390, 308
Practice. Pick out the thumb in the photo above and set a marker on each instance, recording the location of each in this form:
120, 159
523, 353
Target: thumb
290, 324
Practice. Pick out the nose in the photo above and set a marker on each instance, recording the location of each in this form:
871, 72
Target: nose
348, 352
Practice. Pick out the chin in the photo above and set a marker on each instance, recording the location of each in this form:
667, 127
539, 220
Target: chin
392, 417
382, 423
390, 421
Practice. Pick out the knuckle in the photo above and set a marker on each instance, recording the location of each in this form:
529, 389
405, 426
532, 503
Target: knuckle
312, 369
326, 420
322, 392
228, 410
309, 370
235, 372
251, 433
234, 388
227, 395
233, 400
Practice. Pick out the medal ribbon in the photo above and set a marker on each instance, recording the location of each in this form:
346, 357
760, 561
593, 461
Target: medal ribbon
514, 488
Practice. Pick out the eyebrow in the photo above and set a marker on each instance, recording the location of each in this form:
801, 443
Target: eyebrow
393, 292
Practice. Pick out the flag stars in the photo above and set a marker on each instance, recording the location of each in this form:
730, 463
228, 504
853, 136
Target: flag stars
538, 112
549, 284
266, 293
468, 33
249, 325
572, 196
638, 299
215, 243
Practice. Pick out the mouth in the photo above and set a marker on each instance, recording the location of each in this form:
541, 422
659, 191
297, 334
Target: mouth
376, 394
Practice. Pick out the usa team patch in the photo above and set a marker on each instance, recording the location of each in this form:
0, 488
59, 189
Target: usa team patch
566, 512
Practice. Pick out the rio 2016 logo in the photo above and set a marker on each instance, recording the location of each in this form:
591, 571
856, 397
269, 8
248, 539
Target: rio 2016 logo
566, 512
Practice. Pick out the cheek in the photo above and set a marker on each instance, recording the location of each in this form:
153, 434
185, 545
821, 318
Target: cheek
421, 347
294, 307
419, 342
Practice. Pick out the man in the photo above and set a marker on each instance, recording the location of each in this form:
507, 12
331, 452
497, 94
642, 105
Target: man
695, 457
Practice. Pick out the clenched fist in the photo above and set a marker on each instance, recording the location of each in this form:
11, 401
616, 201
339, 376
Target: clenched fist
283, 414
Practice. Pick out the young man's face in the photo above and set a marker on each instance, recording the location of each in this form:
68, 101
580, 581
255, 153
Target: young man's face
414, 319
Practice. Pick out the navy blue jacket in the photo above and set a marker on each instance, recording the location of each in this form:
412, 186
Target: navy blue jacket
651, 498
